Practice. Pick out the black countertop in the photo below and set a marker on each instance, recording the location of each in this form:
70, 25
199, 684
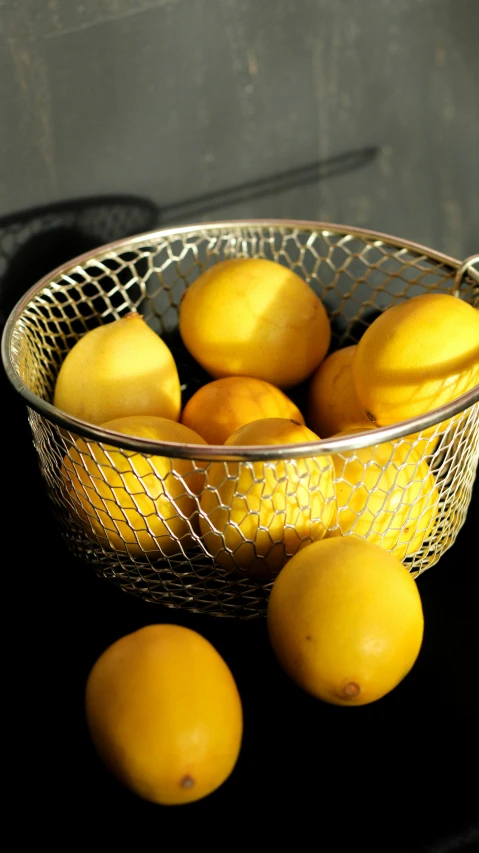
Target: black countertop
399, 774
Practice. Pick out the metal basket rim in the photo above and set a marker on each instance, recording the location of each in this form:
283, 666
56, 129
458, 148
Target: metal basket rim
218, 452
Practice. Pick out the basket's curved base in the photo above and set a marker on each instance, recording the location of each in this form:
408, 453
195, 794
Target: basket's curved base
200, 591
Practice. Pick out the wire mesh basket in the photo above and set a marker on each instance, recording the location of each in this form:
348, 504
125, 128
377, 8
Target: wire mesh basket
206, 528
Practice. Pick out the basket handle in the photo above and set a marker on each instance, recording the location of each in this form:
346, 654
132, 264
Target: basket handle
466, 268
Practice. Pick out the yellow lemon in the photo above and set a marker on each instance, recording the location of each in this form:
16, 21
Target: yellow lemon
143, 505
332, 402
345, 621
255, 515
387, 494
118, 369
164, 714
221, 407
254, 317
416, 356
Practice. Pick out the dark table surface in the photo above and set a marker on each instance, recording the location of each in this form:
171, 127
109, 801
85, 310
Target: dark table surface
397, 775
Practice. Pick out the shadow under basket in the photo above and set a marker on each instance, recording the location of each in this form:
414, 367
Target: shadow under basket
182, 525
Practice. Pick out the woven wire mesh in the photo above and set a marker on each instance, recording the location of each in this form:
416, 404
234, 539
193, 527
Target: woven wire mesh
211, 535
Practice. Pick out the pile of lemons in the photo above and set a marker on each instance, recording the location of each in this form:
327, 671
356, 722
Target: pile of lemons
345, 622
259, 330
330, 531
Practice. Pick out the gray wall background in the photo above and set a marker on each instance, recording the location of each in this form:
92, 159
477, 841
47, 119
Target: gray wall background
178, 100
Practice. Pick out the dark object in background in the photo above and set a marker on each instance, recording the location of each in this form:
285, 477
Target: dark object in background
33, 243
309, 174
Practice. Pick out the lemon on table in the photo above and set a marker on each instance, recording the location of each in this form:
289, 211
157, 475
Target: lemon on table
131, 502
254, 317
416, 356
221, 407
164, 714
345, 621
385, 493
255, 515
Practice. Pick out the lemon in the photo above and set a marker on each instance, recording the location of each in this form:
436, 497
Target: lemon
345, 621
221, 407
130, 502
332, 401
416, 356
333, 405
118, 369
386, 493
255, 515
164, 714
254, 317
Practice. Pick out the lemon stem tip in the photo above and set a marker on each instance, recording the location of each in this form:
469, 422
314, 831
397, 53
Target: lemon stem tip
351, 690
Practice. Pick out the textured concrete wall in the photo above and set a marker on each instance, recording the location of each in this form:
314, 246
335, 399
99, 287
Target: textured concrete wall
364, 112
